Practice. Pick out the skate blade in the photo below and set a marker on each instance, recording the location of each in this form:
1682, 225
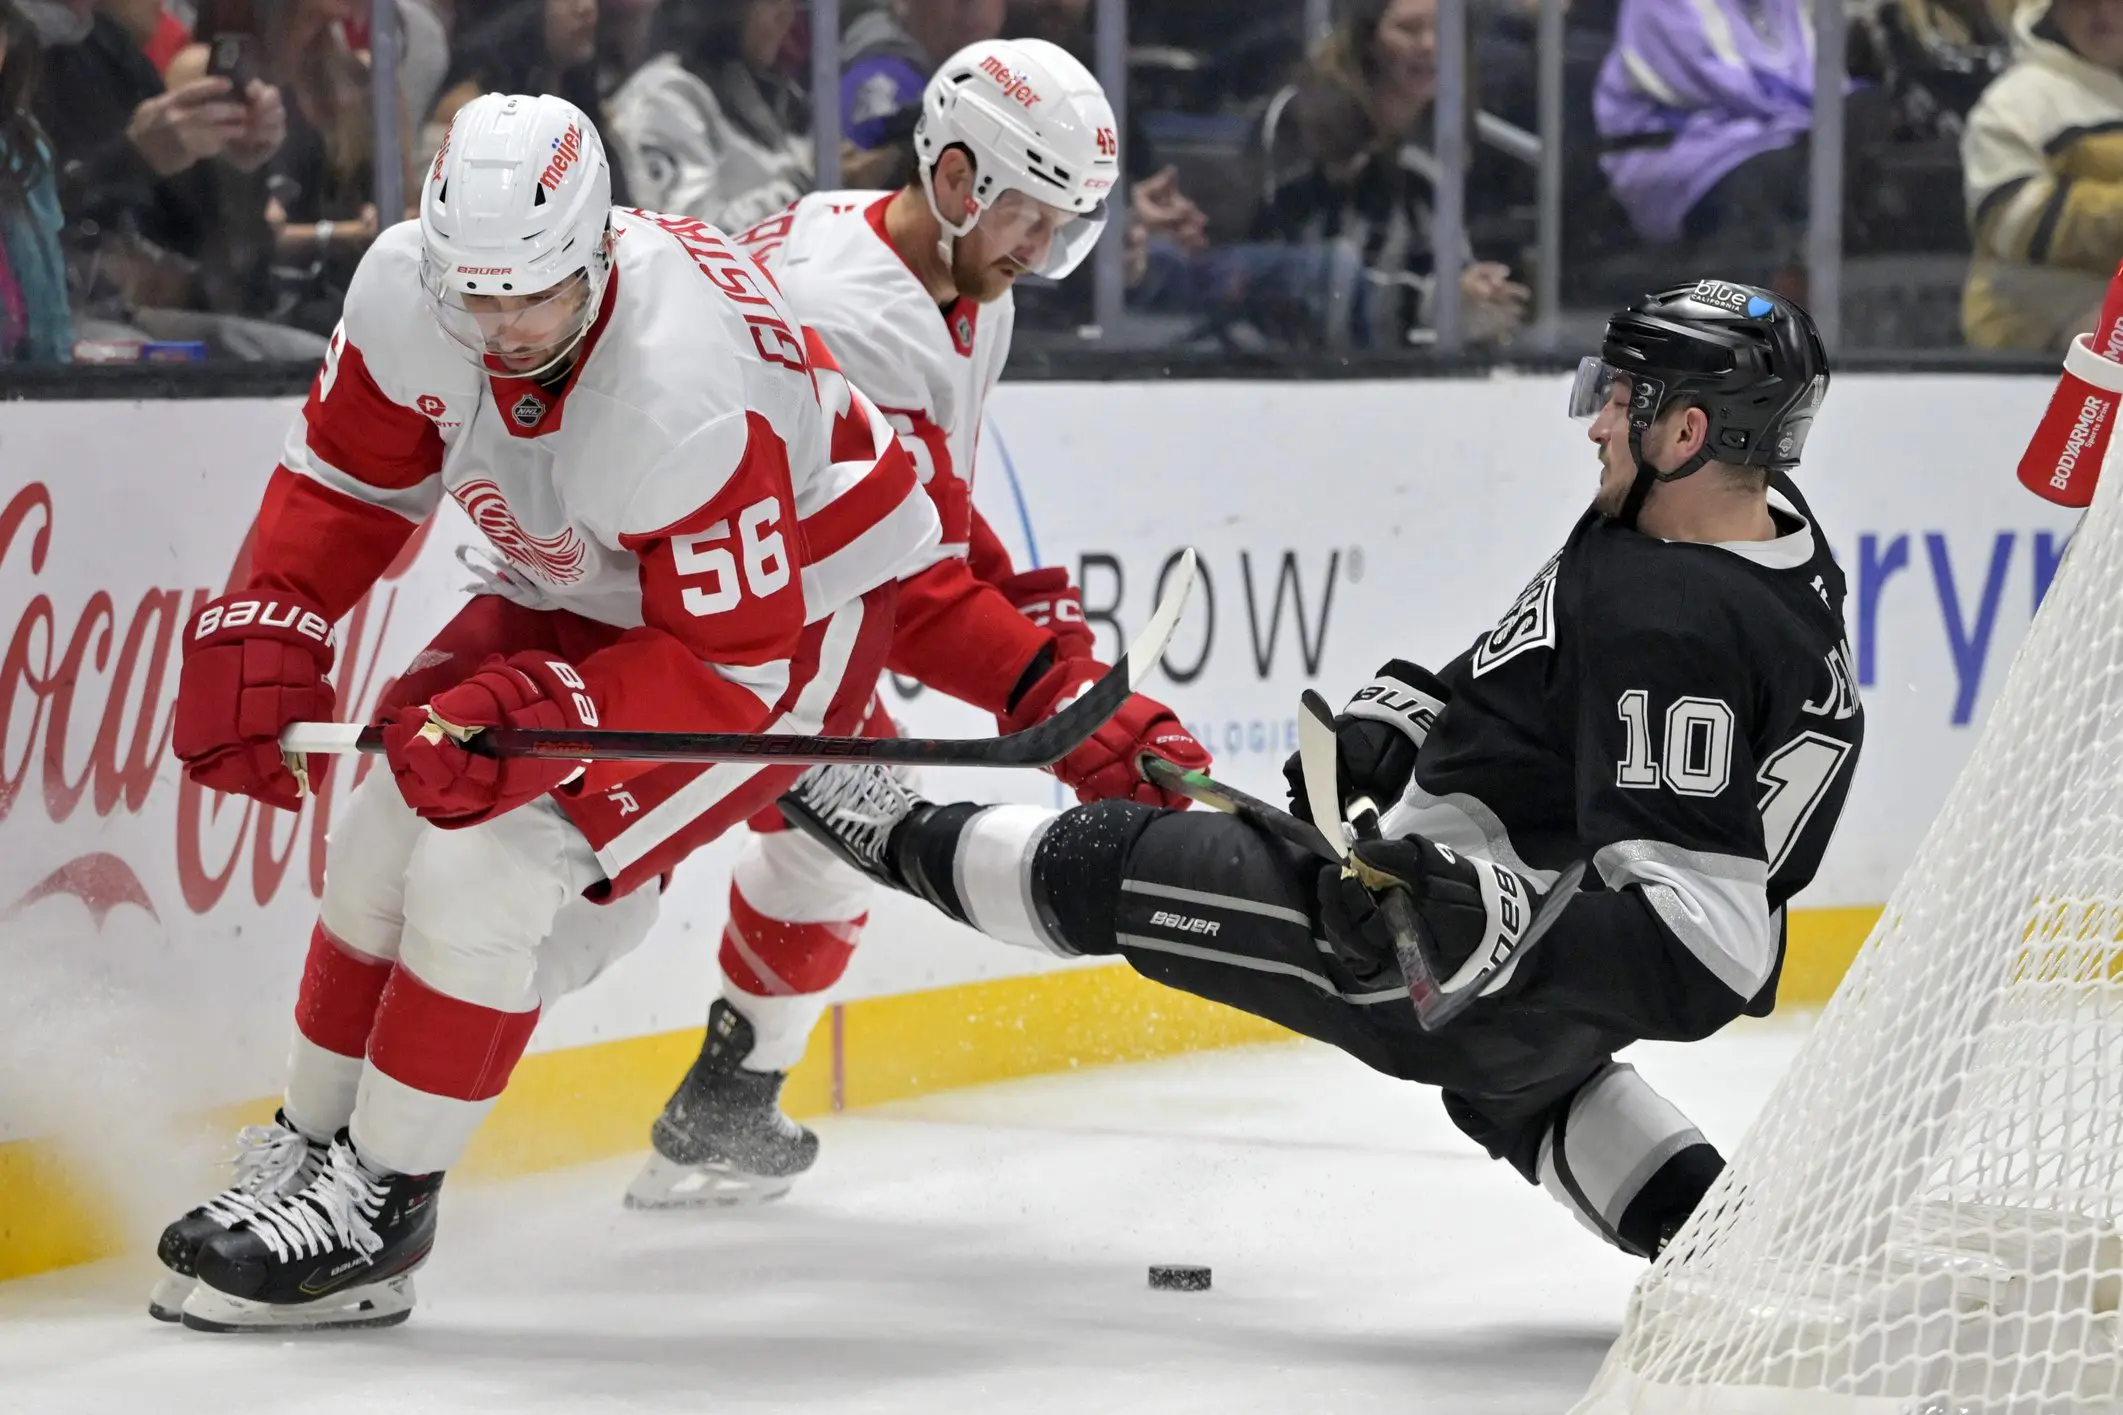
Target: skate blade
378, 1304
166, 1302
666, 1184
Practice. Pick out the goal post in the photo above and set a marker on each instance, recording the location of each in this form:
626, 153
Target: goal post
1924, 1218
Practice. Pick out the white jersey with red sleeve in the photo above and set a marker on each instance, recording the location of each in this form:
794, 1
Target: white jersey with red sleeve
929, 369
694, 479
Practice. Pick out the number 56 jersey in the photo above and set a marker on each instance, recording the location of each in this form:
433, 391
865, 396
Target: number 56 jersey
1685, 720
696, 400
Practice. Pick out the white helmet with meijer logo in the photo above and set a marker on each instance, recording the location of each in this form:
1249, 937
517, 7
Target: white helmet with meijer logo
513, 221
1034, 121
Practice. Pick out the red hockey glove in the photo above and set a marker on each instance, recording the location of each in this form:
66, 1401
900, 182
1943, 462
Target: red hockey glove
452, 787
1046, 597
253, 663
1104, 768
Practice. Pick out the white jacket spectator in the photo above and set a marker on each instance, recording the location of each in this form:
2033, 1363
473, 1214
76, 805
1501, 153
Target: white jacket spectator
707, 128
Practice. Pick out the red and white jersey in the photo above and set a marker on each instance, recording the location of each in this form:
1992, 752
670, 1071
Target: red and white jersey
929, 369
703, 474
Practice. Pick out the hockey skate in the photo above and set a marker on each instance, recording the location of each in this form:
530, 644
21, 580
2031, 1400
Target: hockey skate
270, 1161
852, 810
722, 1140
337, 1252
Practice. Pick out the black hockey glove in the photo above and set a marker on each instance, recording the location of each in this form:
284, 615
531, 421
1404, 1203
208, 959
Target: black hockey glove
1377, 736
1474, 919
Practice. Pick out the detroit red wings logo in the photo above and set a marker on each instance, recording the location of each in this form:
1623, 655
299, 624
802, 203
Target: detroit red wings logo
555, 559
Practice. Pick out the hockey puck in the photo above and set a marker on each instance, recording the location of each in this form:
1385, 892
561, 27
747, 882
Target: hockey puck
1178, 1278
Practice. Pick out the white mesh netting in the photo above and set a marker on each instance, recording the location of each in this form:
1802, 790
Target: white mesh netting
1924, 1217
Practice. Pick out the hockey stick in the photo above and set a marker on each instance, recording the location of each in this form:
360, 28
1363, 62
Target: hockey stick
1041, 744
1417, 949
1317, 758
1204, 789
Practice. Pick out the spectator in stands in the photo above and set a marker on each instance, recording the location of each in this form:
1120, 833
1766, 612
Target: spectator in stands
707, 127
321, 212
160, 34
1703, 109
35, 324
1364, 107
2044, 179
536, 46
159, 185
626, 39
885, 60
424, 28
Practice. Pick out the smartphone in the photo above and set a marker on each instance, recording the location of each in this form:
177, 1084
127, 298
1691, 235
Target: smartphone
233, 57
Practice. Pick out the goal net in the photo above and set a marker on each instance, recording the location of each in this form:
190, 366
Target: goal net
1923, 1220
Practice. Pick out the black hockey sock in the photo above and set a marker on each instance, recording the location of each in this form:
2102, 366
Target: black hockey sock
1668, 1198
923, 849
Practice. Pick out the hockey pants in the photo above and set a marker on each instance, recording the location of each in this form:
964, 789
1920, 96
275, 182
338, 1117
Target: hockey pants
1201, 902
435, 949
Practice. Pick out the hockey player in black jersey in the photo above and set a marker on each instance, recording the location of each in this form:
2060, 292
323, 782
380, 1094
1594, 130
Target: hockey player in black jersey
1668, 704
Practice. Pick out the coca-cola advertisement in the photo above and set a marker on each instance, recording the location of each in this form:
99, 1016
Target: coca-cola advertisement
149, 930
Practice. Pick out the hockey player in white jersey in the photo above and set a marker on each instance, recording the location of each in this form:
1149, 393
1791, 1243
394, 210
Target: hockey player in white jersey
911, 289
703, 529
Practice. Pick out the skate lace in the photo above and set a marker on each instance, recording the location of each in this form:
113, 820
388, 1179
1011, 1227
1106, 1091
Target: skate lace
336, 1209
266, 1157
861, 803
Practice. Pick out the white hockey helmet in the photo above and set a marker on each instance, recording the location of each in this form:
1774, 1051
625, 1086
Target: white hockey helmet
1035, 121
517, 203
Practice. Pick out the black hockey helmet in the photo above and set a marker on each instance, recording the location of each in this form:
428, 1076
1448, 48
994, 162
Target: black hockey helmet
1750, 359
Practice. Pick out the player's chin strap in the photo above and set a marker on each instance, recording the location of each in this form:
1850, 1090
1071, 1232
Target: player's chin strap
947, 234
1646, 399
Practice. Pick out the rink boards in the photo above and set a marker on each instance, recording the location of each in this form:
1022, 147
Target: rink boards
149, 933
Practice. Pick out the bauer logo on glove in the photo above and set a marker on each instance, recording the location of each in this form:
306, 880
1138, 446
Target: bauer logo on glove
265, 614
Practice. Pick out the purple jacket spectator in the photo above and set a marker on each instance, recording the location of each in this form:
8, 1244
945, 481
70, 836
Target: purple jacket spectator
1692, 89
883, 71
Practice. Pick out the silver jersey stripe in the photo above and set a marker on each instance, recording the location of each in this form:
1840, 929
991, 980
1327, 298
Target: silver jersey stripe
1458, 822
1716, 905
1263, 965
1216, 901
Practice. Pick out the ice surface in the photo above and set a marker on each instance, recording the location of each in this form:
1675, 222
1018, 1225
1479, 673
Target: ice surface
975, 1251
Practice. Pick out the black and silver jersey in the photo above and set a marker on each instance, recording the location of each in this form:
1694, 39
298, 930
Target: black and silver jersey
1685, 718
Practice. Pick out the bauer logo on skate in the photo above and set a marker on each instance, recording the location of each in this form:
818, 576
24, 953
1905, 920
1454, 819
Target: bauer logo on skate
555, 559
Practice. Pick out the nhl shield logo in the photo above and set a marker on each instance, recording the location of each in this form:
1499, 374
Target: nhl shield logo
962, 329
529, 409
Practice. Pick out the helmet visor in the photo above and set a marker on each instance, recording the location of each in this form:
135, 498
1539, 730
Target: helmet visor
519, 335
1040, 238
1593, 386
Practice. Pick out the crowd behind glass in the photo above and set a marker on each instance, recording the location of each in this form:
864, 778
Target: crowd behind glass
188, 179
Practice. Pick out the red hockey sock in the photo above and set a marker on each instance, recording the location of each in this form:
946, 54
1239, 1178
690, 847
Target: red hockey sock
770, 957
341, 989
443, 1046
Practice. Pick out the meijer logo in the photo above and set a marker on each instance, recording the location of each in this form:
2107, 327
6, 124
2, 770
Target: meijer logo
566, 148
1013, 84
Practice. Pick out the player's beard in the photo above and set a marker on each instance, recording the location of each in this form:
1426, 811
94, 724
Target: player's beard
977, 277
1613, 490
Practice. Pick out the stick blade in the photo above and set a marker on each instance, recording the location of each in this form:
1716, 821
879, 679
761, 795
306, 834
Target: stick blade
1148, 650
1316, 757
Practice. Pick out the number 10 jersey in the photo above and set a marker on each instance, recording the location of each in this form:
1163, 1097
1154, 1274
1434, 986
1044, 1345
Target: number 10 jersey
1683, 717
